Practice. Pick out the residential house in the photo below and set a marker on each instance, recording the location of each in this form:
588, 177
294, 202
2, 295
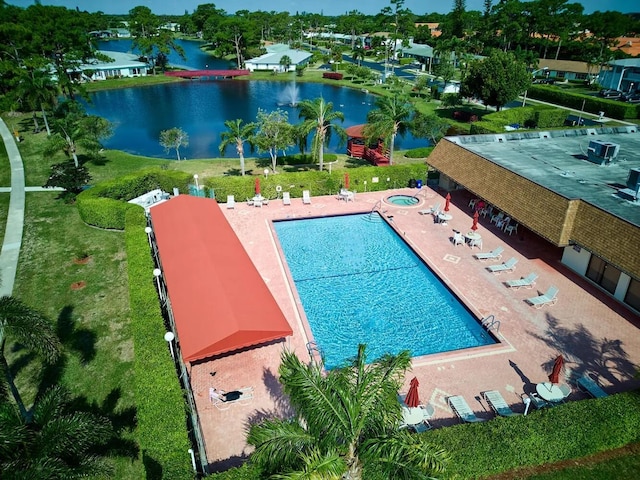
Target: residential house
561, 70
123, 65
271, 60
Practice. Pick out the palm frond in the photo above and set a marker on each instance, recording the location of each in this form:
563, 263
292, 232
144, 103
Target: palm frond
279, 443
403, 455
317, 466
29, 327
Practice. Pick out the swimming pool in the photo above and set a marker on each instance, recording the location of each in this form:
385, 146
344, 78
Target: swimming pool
359, 282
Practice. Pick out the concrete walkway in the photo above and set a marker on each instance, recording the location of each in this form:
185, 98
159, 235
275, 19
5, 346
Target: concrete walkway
15, 216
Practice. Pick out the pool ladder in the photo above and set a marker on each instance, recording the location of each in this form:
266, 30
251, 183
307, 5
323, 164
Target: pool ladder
490, 322
377, 206
315, 353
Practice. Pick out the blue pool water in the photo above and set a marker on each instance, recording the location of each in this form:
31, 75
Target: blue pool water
359, 282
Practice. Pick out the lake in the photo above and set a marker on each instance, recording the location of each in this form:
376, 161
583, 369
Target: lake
200, 108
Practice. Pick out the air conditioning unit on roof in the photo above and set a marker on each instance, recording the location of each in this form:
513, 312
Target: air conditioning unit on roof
602, 153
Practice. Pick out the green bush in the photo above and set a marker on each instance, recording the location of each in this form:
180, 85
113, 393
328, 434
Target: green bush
570, 430
550, 117
160, 406
530, 117
592, 104
105, 205
318, 183
422, 152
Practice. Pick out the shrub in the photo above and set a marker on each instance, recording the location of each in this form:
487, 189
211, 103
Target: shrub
570, 430
160, 406
592, 104
332, 75
103, 206
422, 152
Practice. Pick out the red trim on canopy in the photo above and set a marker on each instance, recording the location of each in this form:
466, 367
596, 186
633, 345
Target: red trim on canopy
220, 302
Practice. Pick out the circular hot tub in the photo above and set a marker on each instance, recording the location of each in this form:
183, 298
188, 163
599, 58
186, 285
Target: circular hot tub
403, 200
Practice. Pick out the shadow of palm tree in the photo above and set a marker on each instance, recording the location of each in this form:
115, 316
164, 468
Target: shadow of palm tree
584, 353
80, 340
121, 418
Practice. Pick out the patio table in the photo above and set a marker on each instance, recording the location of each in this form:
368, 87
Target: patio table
472, 238
412, 416
443, 218
549, 392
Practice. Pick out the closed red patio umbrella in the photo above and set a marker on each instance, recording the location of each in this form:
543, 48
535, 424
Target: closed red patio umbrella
412, 400
474, 227
558, 365
346, 180
257, 185
447, 202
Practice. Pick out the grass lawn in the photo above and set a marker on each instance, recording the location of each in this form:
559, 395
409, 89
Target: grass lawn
619, 464
88, 303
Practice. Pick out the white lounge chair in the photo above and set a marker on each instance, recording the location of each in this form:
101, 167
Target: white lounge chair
508, 266
590, 386
459, 405
306, 197
430, 211
547, 298
246, 395
286, 198
498, 404
527, 282
495, 254
231, 201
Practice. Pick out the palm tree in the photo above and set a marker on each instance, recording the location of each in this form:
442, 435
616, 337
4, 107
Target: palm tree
358, 54
73, 128
37, 91
237, 134
318, 115
391, 118
346, 424
32, 330
57, 442
285, 62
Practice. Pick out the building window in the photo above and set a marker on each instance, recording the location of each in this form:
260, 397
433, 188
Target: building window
632, 298
581, 76
560, 74
603, 274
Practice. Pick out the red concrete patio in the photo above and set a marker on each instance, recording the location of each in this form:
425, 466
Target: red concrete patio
593, 331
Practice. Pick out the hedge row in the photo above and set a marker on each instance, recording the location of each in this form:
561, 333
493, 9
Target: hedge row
592, 104
105, 205
528, 117
160, 405
318, 183
568, 431
571, 430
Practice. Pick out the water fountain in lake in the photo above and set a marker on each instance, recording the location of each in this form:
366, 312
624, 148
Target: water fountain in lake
290, 96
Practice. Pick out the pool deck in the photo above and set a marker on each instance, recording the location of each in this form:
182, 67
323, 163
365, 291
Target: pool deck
593, 331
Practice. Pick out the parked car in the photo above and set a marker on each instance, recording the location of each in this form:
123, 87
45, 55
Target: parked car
631, 97
610, 94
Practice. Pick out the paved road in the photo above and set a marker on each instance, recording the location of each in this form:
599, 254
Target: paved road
15, 217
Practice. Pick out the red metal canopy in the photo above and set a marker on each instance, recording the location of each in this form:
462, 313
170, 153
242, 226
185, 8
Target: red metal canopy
355, 131
220, 302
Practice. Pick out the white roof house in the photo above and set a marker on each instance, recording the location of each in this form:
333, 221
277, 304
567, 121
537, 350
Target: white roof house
271, 59
124, 65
